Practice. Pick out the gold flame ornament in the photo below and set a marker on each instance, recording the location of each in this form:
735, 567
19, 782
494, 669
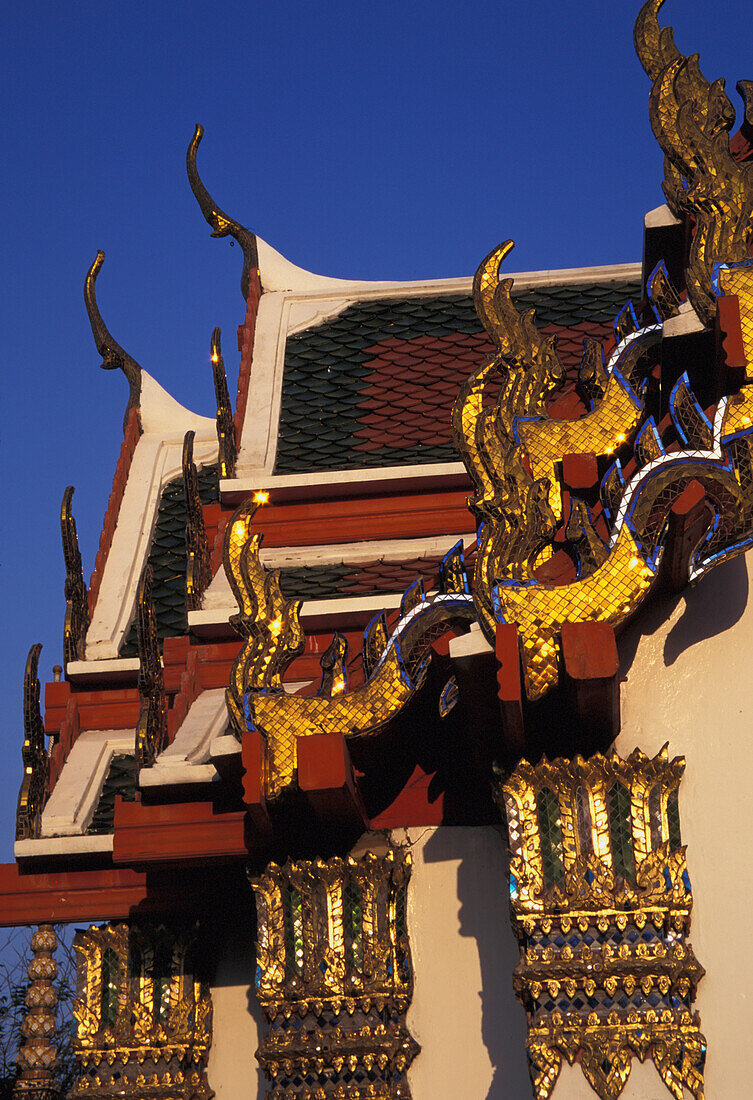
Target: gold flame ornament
692, 119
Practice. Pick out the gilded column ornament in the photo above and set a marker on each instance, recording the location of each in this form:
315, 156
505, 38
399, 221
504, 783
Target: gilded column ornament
334, 977
198, 568
218, 220
76, 598
151, 729
37, 1058
144, 1019
601, 903
35, 785
692, 119
113, 355
225, 426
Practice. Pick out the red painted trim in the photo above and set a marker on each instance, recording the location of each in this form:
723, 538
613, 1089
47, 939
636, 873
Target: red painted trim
589, 650
68, 896
410, 515
326, 779
253, 754
175, 832
109, 708
730, 331
127, 448
580, 472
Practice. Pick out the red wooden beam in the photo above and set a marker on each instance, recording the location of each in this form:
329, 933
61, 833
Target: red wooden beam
68, 896
591, 679
333, 521
688, 520
176, 832
510, 691
580, 473
326, 779
253, 752
730, 338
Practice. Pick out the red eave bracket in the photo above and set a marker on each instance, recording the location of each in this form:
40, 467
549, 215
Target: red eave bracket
176, 832
69, 895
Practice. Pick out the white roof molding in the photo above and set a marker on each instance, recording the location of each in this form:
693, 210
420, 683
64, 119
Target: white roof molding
364, 481
156, 461
333, 614
684, 322
115, 671
185, 760
162, 413
63, 846
279, 274
219, 597
660, 217
74, 798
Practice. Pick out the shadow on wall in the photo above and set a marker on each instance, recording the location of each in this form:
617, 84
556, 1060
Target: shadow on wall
484, 915
714, 605
233, 1071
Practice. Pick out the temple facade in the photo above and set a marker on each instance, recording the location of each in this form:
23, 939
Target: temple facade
401, 743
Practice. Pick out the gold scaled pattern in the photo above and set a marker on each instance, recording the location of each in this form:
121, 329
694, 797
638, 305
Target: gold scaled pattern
151, 728
512, 449
691, 119
198, 567
76, 598
228, 447
334, 978
273, 637
144, 1020
601, 902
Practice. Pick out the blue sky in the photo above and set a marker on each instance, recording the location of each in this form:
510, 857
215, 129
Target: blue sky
399, 140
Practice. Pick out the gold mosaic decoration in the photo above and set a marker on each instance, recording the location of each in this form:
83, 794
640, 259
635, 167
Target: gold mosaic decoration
35, 785
198, 567
334, 978
511, 449
691, 119
144, 1020
273, 638
601, 902
76, 597
151, 728
226, 439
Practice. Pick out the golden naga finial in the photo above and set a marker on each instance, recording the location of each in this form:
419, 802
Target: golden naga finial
692, 119
269, 624
512, 448
221, 224
112, 353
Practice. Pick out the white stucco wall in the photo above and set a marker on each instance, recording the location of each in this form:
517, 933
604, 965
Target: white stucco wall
464, 1014
233, 1071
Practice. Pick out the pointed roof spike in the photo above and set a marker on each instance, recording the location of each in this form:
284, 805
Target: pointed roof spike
220, 223
113, 355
